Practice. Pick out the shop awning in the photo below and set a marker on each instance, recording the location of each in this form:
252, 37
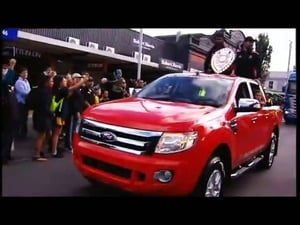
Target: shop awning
50, 45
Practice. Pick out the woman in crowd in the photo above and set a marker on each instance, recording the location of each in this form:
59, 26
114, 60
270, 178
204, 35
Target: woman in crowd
42, 116
105, 96
61, 91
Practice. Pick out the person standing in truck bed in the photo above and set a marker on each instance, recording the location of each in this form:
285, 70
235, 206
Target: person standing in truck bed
247, 62
219, 43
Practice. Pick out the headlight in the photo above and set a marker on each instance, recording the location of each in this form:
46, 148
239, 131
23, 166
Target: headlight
176, 142
288, 111
77, 128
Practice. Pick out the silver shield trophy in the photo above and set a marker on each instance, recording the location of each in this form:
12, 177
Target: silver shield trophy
222, 60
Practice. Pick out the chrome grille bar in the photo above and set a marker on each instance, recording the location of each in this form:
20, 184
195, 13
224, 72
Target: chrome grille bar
119, 139
125, 139
113, 146
131, 131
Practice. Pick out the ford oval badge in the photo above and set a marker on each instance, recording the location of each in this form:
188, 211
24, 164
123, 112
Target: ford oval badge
107, 136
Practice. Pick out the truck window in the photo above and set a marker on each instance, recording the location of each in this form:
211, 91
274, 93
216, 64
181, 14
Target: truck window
292, 87
254, 89
242, 92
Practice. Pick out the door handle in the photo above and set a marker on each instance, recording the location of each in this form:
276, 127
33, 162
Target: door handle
254, 120
267, 115
233, 126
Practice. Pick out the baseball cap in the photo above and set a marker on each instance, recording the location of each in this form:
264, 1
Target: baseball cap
76, 75
249, 38
218, 34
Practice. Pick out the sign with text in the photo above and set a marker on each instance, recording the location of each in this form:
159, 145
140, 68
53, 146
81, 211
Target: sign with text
10, 34
9, 52
170, 65
27, 53
145, 44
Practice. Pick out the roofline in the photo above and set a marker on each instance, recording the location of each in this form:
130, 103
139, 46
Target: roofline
154, 37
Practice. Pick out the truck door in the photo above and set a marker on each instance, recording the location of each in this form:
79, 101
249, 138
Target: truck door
242, 125
261, 121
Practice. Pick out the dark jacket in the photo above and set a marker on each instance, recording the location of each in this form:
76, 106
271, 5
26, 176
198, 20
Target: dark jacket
9, 108
247, 64
76, 102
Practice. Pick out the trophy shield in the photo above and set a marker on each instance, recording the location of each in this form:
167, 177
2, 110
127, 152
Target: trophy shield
222, 59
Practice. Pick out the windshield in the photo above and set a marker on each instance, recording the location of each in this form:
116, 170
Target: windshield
292, 88
200, 90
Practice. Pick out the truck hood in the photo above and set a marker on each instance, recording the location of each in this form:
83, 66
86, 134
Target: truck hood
149, 114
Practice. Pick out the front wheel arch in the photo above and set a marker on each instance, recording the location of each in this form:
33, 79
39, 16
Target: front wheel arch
211, 182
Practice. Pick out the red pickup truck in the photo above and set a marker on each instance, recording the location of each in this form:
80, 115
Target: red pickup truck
183, 134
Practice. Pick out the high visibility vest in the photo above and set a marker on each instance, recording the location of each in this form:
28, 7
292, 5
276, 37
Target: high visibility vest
56, 106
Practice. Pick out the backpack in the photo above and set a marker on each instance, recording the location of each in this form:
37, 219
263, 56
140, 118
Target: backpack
56, 106
32, 98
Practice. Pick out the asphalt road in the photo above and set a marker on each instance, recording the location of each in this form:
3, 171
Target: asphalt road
59, 177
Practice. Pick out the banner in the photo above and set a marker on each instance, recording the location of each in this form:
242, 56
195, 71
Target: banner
10, 34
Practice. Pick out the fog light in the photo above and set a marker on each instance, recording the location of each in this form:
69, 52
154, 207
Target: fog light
163, 176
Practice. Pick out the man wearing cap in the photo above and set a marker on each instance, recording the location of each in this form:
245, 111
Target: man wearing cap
247, 61
218, 40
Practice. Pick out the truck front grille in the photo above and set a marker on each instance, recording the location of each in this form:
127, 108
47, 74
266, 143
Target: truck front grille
293, 104
119, 138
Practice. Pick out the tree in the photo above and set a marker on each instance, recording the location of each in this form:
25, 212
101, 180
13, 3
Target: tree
264, 50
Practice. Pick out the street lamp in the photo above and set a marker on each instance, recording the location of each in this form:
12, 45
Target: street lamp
289, 59
140, 55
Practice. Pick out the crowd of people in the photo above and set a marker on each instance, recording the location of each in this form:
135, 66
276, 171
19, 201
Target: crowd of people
57, 103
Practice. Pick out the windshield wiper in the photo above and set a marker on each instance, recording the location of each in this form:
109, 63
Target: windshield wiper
172, 99
160, 97
209, 102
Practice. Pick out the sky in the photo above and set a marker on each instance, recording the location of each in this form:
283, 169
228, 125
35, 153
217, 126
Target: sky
279, 40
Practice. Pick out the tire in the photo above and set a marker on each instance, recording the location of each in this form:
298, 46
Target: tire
270, 153
92, 182
287, 122
212, 180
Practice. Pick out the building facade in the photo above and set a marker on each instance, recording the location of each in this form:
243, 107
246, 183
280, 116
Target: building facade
276, 81
192, 48
100, 51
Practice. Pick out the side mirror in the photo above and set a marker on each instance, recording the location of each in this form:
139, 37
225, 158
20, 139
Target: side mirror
248, 105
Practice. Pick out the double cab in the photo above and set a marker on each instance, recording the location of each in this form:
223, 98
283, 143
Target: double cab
183, 134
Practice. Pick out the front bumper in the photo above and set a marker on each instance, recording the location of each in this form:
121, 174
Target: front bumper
135, 173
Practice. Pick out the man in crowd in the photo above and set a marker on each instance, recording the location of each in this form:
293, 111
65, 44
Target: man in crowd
119, 90
88, 93
9, 119
22, 89
11, 76
47, 71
